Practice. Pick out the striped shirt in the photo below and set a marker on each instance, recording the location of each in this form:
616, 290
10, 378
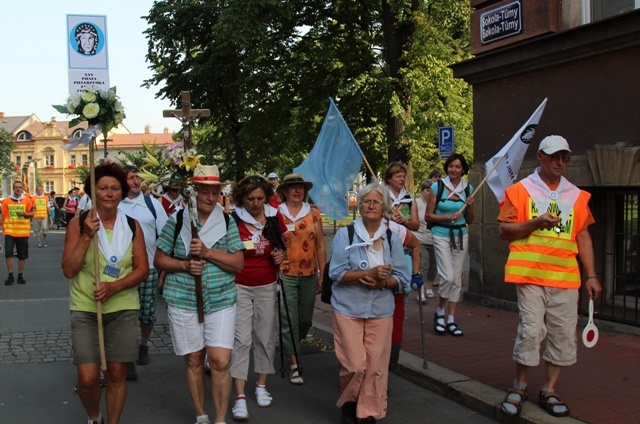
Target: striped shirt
218, 285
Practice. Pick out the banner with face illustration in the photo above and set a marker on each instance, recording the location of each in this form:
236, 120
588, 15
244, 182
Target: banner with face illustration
87, 52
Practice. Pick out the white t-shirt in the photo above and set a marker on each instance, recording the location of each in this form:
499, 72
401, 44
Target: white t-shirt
423, 234
137, 208
85, 203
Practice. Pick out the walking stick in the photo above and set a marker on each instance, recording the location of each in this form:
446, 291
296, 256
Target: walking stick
424, 355
198, 281
286, 310
96, 254
280, 331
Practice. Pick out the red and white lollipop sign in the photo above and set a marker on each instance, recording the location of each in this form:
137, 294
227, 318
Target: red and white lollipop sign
590, 332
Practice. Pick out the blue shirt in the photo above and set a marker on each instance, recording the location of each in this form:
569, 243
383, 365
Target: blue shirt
357, 300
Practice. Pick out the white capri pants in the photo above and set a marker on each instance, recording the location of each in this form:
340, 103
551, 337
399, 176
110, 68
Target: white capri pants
450, 263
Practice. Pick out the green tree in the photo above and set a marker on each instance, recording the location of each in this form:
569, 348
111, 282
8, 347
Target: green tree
6, 146
267, 83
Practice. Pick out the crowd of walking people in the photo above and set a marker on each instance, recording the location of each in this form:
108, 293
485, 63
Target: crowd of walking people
245, 278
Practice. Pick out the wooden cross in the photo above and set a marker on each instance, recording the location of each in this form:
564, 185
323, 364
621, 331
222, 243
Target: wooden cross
186, 115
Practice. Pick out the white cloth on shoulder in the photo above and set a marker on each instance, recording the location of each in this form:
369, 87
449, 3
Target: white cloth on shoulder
459, 190
121, 235
362, 232
304, 211
246, 216
212, 230
565, 195
403, 197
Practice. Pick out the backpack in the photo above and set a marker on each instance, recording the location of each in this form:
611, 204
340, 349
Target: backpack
180, 219
130, 221
439, 195
327, 283
152, 209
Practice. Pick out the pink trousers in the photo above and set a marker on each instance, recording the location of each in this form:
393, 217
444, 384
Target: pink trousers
363, 347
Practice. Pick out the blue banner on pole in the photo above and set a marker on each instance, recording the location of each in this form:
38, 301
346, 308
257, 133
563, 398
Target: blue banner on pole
332, 165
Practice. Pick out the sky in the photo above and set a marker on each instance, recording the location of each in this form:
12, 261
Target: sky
34, 69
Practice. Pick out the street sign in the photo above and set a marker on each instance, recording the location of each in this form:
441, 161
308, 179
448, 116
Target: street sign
445, 142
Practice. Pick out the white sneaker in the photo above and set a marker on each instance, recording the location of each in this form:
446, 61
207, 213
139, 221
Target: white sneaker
239, 410
430, 293
295, 377
263, 398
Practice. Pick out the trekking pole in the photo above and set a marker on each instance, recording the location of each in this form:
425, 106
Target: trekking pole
280, 331
286, 310
424, 354
416, 284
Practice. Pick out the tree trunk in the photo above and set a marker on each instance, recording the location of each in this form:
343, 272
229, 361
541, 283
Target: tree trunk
399, 30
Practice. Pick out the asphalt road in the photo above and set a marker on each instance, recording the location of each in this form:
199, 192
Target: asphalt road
37, 377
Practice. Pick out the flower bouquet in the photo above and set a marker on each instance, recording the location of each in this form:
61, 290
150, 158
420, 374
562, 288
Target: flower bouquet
102, 109
169, 164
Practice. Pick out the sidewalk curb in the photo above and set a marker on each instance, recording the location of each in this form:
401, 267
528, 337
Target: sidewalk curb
465, 391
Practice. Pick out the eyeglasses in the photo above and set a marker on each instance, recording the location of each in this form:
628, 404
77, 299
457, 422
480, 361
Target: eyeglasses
374, 202
557, 157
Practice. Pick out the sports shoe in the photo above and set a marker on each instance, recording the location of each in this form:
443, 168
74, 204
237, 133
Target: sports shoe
143, 355
9, 281
96, 421
430, 293
203, 420
44, 243
263, 398
39, 244
21, 280
239, 410
295, 377
132, 374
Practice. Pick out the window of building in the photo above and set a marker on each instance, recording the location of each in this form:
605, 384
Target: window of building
18, 161
85, 159
24, 136
616, 239
77, 133
595, 10
72, 160
48, 160
48, 186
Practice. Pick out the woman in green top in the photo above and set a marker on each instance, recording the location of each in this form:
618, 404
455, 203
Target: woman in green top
123, 265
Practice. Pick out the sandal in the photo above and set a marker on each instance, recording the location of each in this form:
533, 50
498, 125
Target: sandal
515, 397
438, 325
263, 398
454, 330
550, 402
239, 410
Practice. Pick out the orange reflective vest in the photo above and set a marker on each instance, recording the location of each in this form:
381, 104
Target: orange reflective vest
14, 225
545, 257
42, 206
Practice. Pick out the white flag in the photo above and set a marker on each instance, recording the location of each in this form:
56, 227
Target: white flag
506, 173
